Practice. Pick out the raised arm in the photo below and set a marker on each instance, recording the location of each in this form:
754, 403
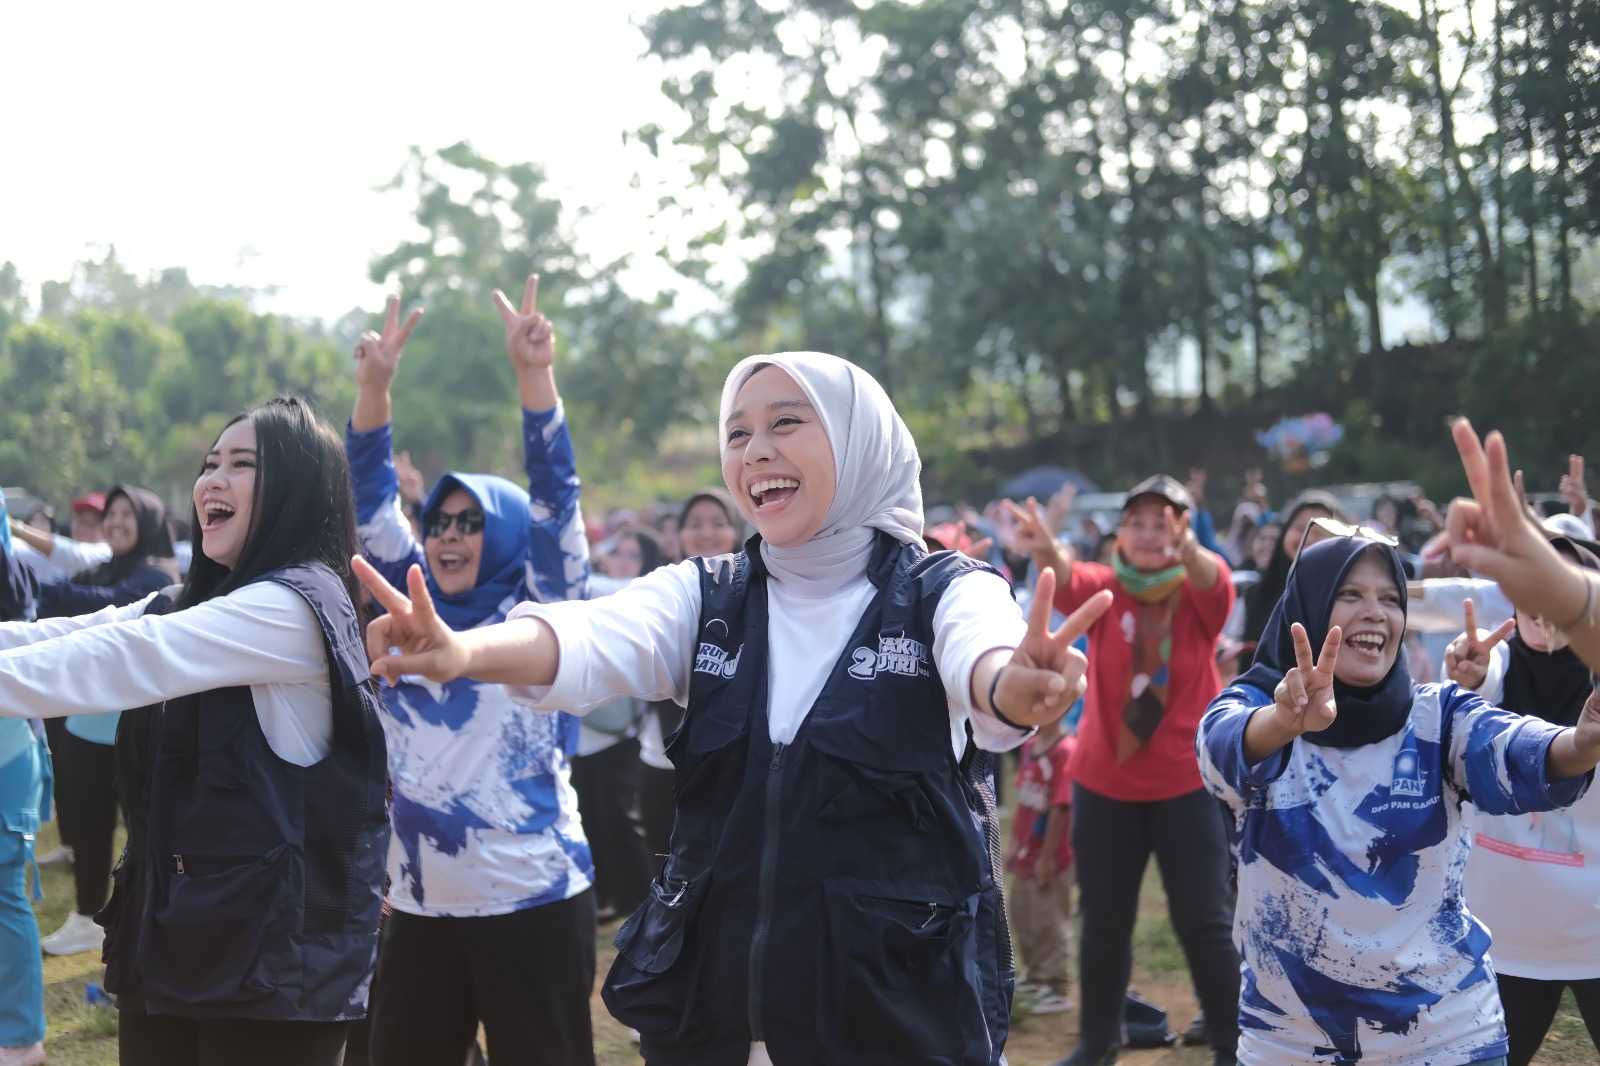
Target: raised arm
386, 536
1493, 535
558, 550
1032, 534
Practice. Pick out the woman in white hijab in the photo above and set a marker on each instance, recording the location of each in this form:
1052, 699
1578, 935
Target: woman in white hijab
828, 896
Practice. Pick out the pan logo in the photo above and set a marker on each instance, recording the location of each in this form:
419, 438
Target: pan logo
1407, 775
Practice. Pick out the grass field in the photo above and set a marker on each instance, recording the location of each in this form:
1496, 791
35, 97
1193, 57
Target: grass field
87, 1036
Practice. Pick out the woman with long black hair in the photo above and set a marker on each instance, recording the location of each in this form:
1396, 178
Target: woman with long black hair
135, 528
244, 919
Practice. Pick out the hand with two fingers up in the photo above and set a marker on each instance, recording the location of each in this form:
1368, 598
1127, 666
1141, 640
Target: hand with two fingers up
411, 638
1466, 660
1045, 675
1303, 700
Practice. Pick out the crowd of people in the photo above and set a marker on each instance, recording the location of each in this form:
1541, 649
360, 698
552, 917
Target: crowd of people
386, 753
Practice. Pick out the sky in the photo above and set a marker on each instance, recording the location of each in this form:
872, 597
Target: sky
247, 142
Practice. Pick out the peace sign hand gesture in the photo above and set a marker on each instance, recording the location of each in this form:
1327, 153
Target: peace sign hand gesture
1492, 534
1045, 675
530, 339
411, 638
1466, 660
1030, 529
1303, 700
378, 354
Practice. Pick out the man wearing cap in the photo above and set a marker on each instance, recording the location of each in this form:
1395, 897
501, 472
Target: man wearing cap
1152, 672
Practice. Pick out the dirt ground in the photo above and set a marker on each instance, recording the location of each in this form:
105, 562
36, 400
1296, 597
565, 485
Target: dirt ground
80, 1035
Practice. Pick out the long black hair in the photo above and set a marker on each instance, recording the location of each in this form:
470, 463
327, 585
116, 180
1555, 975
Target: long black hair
302, 509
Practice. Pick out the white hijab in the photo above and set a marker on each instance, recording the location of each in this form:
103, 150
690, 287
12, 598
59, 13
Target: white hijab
876, 469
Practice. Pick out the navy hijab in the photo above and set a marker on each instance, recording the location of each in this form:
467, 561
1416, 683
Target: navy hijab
1366, 715
503, 563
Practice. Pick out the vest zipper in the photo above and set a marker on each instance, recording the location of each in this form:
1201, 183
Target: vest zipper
764, 892
177, 862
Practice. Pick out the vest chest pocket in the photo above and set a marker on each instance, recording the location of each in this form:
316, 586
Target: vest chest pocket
225, 932
880, 761
652, 984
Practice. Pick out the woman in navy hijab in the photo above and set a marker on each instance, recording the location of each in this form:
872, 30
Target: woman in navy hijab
1347, 781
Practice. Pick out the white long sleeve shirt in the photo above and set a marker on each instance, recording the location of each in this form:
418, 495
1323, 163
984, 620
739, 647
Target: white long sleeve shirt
640, 642
1549, 856
263, 635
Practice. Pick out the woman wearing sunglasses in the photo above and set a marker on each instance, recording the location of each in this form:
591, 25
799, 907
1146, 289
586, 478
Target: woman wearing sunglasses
1347, 783
493, 920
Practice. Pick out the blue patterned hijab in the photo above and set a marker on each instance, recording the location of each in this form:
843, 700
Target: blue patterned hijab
503, 563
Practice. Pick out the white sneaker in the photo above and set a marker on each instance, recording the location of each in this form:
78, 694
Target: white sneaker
1051, 1003
22, 1056
60, 855
77, 935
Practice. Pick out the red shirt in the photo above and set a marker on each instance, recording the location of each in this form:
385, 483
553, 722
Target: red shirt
1165, 766
1043, 782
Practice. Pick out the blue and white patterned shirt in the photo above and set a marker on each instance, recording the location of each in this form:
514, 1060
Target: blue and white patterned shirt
1357, 943
485, 817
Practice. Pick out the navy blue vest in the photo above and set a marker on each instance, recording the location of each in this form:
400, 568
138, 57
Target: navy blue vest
250, 887
835, 896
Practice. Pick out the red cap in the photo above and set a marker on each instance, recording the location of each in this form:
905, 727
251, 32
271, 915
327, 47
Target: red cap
94, 501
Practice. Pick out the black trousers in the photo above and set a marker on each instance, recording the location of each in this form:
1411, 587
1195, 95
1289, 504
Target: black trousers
159, 1040
527, 976
607, 784
1531, 1006
86, 791
1112, 842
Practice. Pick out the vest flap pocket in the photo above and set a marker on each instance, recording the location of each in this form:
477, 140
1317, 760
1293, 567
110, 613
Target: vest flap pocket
652, 937
899, 966
225, 931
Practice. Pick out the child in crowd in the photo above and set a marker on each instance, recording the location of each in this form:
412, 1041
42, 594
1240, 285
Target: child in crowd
1041, 866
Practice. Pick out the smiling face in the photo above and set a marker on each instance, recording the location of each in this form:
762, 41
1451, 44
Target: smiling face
121, 526
454, 555
706, 530
224, 494
1147, 534
776, 459
1367, 609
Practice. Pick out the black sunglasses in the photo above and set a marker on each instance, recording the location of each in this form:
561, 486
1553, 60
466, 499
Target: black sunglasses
469, 522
